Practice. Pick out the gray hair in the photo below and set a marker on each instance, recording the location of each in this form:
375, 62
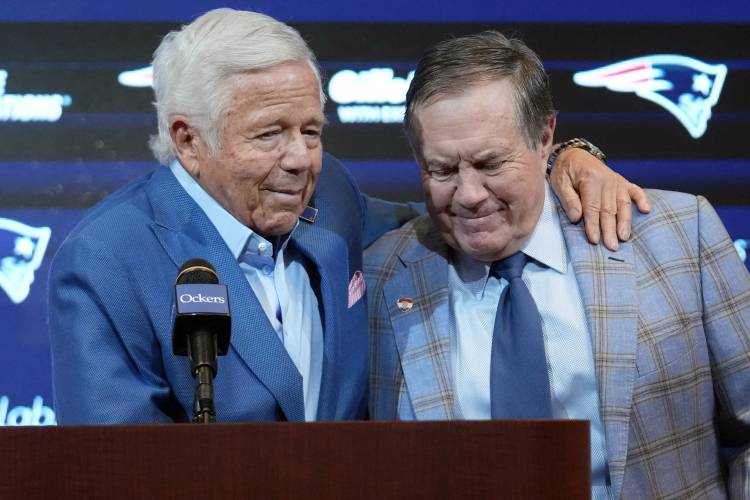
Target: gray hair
452, 65
194, 65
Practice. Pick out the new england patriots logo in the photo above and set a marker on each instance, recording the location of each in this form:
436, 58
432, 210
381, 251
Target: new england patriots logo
141, 77
22, 249
742, 247
686, 87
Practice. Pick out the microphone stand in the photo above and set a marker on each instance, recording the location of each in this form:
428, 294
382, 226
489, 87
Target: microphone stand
202, 350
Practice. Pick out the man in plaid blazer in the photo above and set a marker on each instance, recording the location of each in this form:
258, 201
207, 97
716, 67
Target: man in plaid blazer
665, 319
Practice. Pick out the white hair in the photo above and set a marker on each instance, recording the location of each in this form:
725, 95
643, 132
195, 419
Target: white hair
193, 68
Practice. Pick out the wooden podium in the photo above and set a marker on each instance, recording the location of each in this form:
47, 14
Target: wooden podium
383, 460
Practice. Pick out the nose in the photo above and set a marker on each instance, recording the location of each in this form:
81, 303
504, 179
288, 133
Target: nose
470, 189
296, 156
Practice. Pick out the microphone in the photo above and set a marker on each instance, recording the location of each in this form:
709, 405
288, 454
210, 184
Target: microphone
202, 329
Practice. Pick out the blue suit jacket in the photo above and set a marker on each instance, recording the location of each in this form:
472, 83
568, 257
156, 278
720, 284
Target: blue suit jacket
111, 308
669, 316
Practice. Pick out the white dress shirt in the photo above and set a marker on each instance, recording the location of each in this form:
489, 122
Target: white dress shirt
474, 296
281, 285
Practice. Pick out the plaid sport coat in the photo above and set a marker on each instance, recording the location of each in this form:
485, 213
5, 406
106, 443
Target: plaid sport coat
669, 317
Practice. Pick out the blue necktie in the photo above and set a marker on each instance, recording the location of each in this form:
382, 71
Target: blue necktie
519, 386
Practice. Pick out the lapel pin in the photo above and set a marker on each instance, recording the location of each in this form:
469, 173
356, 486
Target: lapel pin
404, 304
309, 214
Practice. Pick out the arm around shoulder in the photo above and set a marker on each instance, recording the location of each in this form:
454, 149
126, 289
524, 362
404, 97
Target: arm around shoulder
382, 216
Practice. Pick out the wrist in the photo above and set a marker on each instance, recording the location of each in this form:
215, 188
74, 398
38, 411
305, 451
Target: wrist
578, 143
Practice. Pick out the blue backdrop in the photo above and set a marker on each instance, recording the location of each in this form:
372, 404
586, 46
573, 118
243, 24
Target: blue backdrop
76, 113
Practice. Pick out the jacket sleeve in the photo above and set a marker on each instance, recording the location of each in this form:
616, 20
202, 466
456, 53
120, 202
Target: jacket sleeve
106, 362
382, 216
725, 287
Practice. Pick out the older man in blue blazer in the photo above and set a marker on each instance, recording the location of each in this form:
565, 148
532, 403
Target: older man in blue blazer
246, 186
495, 306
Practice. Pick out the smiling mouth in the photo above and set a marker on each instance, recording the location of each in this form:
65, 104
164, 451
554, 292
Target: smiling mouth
287, 198
472, 217
287, 192
476, 223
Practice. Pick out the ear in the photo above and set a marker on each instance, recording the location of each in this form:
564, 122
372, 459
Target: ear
187, 143
548, 133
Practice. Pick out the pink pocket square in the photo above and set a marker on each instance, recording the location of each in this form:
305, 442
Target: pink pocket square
356, 288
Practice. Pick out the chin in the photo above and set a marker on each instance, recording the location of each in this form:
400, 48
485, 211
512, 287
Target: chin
483, 250
278, 227
483, 256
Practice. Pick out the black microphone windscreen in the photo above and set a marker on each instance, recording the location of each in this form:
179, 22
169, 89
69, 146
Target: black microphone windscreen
202, 304
197, 271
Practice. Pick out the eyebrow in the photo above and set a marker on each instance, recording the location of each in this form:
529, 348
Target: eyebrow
484, 156
318, 120
440, 164
493, 154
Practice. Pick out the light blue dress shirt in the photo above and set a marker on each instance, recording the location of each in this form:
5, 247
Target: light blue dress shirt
282, 287
474, 296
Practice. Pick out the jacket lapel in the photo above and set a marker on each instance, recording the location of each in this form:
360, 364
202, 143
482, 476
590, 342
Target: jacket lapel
332, 265
185, 232
423, 331
607, 283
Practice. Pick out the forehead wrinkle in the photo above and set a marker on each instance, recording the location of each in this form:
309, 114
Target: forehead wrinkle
259, 84
271, 105
279, 112
271, 95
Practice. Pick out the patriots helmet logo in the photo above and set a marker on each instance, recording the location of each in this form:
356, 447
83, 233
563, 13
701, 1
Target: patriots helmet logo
22, 249
742, 247
141, 77
686, 87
